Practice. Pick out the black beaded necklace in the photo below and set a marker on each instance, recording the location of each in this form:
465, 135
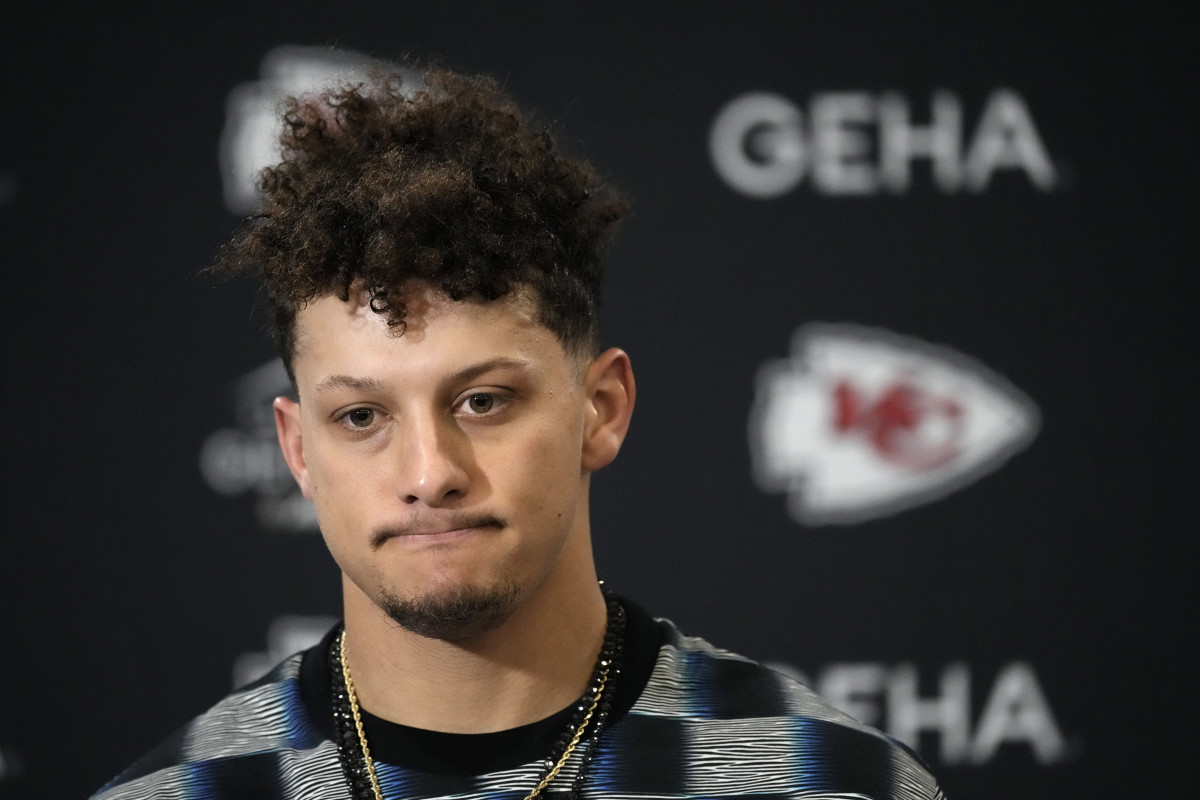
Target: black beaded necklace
582, 734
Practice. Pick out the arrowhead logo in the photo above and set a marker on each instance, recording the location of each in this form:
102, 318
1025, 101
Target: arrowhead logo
861, 423
250, 139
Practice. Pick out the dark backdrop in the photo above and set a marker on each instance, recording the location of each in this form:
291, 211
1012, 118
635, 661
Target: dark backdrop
1034, 629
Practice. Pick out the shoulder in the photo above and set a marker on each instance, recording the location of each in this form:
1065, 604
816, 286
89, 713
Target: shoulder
736, 723
698, 679
247, 742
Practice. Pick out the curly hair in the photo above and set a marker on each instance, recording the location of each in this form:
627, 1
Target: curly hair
451, 184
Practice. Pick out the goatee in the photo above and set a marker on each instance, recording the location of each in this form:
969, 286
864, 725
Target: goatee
452, 616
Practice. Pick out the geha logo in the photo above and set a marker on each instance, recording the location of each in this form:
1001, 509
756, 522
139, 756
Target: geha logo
854, 143
861, 423
1015, 712
250, 139
247, 458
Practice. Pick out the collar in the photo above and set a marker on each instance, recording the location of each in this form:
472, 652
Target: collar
479, 753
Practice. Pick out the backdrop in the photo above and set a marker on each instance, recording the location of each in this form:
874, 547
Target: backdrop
908, 294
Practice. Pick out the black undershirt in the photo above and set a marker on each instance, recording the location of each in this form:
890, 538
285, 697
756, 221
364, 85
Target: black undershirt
479, 753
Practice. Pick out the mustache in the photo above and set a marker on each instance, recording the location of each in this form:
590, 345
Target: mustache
427, 524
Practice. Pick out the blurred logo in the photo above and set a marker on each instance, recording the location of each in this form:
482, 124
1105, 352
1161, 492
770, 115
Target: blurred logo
854, 143
246, 458
861, 423
1015, 713
8, 188
285, 635
250, 139
11, 766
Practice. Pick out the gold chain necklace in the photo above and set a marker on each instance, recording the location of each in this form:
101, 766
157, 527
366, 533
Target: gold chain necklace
597, 693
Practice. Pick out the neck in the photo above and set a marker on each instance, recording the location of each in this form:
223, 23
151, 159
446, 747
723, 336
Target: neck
532, 665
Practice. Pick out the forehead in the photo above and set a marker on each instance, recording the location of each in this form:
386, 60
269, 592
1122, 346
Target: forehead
348, 337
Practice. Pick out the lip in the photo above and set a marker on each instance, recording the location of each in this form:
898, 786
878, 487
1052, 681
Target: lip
436, 535
430, 531
439, 535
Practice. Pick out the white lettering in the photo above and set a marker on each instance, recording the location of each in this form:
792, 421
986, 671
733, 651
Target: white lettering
1006, 138
1017, 711
948, 714
890, 698
900, 142
840, 143
757, 145
857, 144
855, 689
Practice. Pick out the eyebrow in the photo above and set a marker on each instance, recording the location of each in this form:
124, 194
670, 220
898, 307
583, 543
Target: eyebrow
475, 370
334, 382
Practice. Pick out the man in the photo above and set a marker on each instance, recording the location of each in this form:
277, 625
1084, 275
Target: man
432, 265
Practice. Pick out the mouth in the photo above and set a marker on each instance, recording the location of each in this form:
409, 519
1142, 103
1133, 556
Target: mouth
430, 532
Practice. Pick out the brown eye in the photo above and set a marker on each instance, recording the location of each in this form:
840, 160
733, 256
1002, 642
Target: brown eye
480, 403
361, 417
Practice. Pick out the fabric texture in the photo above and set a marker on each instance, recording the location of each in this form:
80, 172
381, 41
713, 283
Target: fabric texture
707, 723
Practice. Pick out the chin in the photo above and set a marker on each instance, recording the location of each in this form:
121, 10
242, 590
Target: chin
462, 612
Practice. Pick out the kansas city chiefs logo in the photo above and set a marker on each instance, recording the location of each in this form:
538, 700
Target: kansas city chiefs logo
250, 139
861, 423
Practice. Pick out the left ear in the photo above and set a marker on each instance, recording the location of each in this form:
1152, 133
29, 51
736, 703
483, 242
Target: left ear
608, 385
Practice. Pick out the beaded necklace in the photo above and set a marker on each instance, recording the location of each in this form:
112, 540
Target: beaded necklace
583, 732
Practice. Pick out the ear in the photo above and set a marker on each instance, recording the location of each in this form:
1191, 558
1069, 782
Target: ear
610, 392
287, 428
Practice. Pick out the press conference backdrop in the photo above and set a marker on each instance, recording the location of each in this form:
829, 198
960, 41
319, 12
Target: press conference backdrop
909, 296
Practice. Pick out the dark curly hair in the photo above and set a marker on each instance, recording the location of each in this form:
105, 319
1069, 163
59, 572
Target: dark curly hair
451, 184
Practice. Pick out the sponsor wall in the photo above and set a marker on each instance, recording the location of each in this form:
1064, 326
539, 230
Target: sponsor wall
907, 295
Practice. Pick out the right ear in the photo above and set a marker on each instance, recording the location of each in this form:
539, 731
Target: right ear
287, 428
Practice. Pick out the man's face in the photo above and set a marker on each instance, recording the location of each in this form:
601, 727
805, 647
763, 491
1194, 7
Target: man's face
448, 465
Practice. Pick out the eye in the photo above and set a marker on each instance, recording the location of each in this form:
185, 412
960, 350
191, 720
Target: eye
360, 417
480, 403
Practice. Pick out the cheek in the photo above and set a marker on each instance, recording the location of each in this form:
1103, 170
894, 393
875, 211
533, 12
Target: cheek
550, 462
337, 490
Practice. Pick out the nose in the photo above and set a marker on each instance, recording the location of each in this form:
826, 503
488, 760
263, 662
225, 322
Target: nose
433, 463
